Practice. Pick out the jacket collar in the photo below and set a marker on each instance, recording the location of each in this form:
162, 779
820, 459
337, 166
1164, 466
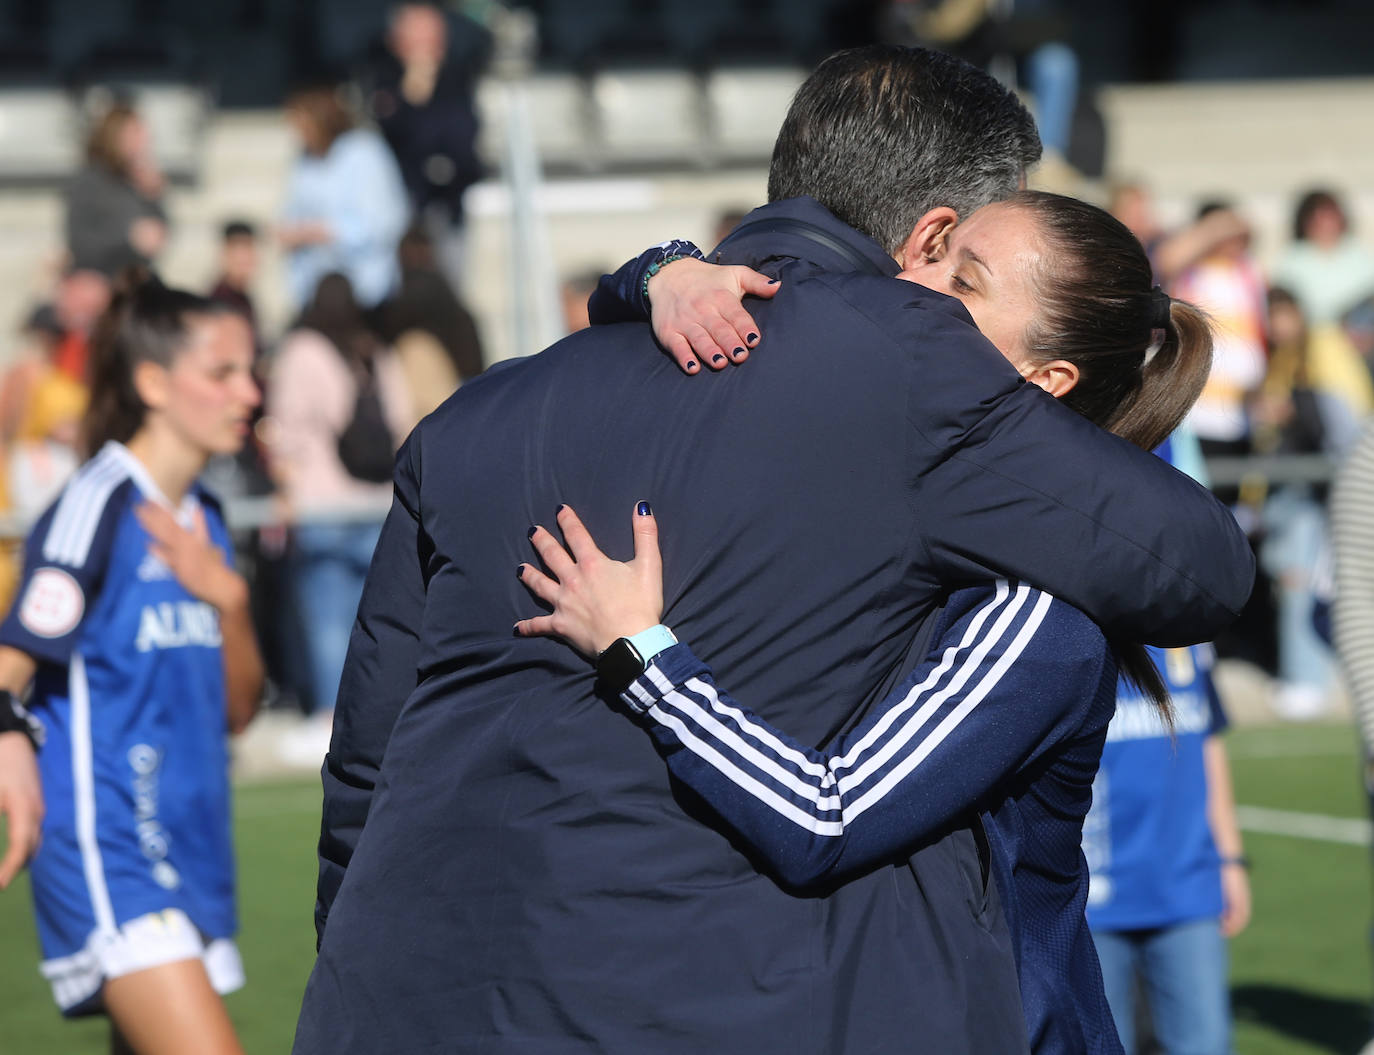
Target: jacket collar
806, 230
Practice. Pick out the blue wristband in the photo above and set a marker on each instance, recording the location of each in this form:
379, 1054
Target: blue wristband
649, 643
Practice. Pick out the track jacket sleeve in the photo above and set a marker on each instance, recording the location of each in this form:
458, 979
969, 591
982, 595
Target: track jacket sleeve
378, 676
620, 297
1010, 673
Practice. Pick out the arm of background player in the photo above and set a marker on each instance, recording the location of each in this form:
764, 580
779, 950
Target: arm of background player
378, 676
21, 794
1010, 674
243, 668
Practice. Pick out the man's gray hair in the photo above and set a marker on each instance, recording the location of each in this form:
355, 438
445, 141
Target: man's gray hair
882, 134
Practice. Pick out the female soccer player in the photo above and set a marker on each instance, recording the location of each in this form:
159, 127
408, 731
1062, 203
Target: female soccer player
1004, 712
133, 630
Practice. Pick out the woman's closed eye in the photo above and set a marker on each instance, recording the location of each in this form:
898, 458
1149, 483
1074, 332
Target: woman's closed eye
959, 284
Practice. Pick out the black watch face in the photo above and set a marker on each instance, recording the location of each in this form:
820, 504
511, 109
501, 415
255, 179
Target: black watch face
619, 665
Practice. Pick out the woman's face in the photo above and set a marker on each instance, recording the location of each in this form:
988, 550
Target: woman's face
134, 140
209, 389
989, 263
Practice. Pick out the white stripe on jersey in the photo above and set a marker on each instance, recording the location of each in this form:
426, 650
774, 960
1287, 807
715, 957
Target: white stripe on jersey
83, 780
977, 643
79, 510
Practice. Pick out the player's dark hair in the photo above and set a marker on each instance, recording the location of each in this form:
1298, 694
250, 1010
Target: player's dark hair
146, 322
1142, 357
882, 134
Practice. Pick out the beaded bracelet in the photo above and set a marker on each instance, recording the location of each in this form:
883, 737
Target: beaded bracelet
654, 269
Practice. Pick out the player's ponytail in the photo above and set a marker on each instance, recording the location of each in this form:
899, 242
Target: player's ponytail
1170, 380
145, 322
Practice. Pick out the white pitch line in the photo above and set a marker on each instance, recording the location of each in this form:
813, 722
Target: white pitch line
1352, 831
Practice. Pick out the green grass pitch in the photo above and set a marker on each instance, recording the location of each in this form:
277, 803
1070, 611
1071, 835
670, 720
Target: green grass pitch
1300, 975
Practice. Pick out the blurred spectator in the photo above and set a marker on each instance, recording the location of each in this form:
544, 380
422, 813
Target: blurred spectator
238, 269
1319, 364
345, 205
1352, 532
114, 203
1325, 267
82, 297
573, 295
1033, 32
1172, 252
40, 418
726, 223
421, 94
338, 409
1291, 416
1227, 284
427, 303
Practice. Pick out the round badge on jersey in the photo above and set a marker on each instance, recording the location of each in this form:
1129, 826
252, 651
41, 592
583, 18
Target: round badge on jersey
53, 603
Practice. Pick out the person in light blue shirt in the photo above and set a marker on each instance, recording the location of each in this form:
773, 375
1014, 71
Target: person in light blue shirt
346, 205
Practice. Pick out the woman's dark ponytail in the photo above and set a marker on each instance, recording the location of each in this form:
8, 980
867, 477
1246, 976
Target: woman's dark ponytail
1170, 380
145, 322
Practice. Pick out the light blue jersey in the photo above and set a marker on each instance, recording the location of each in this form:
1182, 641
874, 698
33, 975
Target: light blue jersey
130, 686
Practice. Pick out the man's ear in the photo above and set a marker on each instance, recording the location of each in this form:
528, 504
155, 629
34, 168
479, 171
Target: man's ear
928, 237
1057, 377
150, 382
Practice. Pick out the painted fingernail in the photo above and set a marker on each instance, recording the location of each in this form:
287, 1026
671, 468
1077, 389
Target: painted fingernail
515, 630
519, 571
693, 367
643, 509
717, 358
738, 351
531, 531
751, 338
560, 509
772, 281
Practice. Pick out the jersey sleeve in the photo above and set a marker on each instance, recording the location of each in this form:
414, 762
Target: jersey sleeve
620, 297
65, 560
1010, 673
379, 674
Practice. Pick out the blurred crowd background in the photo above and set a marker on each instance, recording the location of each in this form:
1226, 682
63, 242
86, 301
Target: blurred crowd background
398, 195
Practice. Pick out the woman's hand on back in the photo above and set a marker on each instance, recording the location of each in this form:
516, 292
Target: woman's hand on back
595, 599
193, 558
697, 312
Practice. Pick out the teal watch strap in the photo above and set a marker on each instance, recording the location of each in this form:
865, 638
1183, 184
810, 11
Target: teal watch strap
649, 643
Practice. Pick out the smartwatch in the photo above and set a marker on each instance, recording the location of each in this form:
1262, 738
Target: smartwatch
626, 658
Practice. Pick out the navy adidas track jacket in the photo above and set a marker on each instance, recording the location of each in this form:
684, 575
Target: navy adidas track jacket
1006, 713
529, 879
